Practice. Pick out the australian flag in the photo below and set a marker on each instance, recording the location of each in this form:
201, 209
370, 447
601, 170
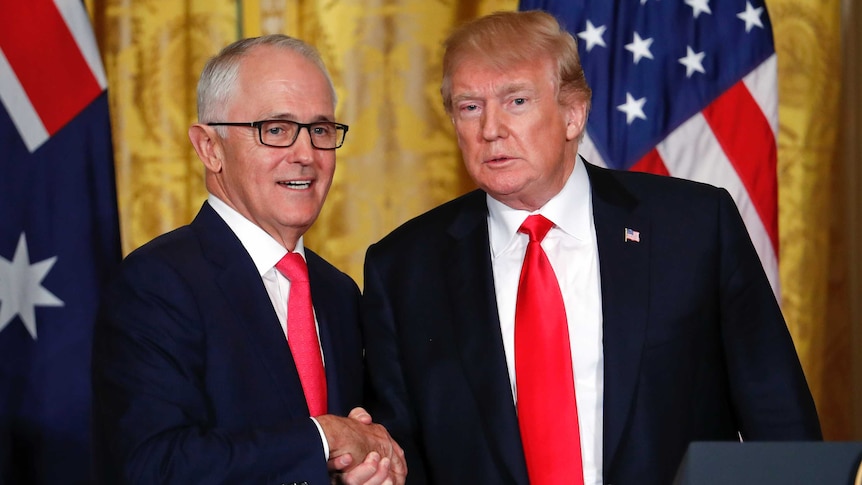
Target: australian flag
59, 235
684, 88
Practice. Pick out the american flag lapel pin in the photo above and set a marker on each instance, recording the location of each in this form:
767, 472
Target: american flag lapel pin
632, 235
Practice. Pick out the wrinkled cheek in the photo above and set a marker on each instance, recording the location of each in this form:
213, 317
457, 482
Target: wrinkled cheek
485, 177
465, 143
475, 169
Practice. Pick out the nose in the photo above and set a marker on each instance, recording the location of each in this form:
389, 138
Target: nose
493, 123
303, 150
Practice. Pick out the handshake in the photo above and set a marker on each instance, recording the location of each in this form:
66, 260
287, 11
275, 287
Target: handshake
357, 436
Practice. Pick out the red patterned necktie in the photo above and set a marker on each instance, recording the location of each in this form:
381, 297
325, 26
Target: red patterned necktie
302, 334
547, 409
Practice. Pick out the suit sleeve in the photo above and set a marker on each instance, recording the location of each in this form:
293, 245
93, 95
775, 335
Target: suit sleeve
154, 421
770, 394
388, 400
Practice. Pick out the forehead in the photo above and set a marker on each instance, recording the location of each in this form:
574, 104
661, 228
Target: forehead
274, 80
485, 78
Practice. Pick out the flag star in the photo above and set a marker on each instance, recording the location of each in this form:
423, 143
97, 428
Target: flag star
698, 7
751, 16
633, 108
593, 35
21, 288
693, 61
640, 48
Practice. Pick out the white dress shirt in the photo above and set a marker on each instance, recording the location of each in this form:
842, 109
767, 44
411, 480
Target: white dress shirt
573, 253
266, 252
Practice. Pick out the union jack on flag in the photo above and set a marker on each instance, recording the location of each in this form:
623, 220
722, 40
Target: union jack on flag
684, 88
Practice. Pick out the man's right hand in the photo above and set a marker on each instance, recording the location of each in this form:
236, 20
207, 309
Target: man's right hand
357, 437
372, 471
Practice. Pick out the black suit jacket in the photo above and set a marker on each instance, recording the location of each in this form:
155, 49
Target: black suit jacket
193, 379
695, 346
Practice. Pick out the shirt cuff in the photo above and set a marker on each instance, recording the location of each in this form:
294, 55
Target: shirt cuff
322, 439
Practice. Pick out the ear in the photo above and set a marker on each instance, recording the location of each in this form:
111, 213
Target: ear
207, 145
576, 119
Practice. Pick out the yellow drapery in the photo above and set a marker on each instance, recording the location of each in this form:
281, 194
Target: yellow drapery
401, 158
812, 243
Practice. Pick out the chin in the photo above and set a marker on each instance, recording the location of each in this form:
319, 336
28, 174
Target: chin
501, 188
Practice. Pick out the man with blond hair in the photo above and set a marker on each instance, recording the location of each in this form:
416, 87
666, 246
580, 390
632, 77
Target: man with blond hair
565, 323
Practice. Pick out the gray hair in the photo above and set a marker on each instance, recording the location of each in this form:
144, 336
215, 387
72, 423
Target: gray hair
219, 76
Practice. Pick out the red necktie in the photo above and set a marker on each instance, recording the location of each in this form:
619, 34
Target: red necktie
302, 334
547, 409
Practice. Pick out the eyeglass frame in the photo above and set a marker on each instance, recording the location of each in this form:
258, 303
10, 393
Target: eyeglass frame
299, 127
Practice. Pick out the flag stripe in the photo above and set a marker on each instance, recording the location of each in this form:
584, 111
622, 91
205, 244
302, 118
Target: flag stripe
18, 106
747, 139
651, 163
78, 22
587, 149
43, 57
692, 152
763, 86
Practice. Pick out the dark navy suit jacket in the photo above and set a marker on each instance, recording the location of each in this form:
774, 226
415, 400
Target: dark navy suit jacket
695, 346
193, 379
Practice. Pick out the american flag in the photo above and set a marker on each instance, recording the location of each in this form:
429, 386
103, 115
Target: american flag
684, 88
59, 235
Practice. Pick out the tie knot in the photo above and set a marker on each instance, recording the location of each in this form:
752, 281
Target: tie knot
536, 226
293, 267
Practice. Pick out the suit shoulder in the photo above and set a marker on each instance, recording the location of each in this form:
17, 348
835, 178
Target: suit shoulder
178, 244
435, 222
653, 189
318, 265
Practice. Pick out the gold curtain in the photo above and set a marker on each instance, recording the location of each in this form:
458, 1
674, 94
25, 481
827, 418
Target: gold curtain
811, 237
401, 159
152, 50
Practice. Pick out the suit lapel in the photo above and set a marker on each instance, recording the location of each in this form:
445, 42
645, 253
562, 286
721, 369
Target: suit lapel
478, 336
243, 290
624, 267
325, 301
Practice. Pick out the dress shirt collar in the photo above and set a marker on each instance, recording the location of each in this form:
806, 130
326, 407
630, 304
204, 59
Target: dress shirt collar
264, 250
570, 210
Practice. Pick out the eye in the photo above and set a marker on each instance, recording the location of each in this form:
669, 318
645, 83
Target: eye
322, 129
519, 101
275, 128
469, 107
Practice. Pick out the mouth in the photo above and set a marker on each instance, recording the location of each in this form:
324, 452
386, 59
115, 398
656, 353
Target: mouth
498, 159
296, 184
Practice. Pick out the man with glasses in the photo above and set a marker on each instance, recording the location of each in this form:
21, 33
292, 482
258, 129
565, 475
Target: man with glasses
218, 358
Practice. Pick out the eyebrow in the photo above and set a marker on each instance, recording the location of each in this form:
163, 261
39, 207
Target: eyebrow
515, 87
505, 90
292, 117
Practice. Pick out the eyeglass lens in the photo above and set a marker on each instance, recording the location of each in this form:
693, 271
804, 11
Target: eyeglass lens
277, 133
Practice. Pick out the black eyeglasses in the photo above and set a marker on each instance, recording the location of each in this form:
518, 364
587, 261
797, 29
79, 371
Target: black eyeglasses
325, 135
